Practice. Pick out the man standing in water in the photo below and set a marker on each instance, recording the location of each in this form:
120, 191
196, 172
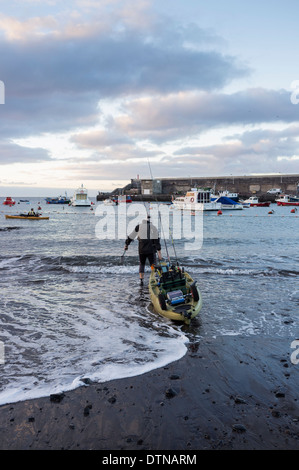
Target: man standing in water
149, 244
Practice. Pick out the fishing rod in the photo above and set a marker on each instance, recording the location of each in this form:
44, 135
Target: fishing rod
166, 248
122, 257
173, 245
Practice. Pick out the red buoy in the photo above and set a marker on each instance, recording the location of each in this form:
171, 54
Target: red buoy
219, 212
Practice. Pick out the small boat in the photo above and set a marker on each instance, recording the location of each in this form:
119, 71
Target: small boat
24, 200
80, 198
232, 196
228, 204
245, 204
197, 200
58, 200
9, 201
287, 200
173, 293
26, 216
110, 202
254, 202
126, 199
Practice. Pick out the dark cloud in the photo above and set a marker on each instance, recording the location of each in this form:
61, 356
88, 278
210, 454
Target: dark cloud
57, 82
173, 116
113, 64
13, 153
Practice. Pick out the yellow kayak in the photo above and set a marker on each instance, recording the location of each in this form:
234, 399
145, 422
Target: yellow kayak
30, 217
174, 293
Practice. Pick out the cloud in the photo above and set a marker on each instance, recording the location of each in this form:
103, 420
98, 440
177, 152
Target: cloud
128, 85
172, 116
13, 153
59, 68
261, 149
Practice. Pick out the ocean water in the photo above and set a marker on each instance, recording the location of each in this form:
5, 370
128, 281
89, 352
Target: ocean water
71, 311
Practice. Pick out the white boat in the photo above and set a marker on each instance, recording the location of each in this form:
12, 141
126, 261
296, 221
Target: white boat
229, 204
232, 196
245, 204
287, 200
197, 200
80, 198
109, 202
253, 201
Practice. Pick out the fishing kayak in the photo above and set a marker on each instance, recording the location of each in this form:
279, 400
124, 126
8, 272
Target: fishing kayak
174, 293
30, 217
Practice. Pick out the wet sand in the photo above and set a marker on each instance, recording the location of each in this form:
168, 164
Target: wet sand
225, 393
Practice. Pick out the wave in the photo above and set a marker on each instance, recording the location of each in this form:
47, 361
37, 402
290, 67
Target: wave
112, 265
8, 229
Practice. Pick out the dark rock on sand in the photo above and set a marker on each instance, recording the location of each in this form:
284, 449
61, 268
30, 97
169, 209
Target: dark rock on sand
202, 413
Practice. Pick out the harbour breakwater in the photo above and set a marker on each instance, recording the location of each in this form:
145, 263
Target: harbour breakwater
163, 189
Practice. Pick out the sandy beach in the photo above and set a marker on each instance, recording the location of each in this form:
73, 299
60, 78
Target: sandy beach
225, 393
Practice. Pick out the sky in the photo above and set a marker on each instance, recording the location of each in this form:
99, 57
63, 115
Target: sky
98, 92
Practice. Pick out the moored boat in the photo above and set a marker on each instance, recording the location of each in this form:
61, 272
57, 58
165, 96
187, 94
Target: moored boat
232, 196
287, 200
123, 198
58, 200
197, 200
253, 201
110, 202
174, 293
9, 201
229, 204
80, 198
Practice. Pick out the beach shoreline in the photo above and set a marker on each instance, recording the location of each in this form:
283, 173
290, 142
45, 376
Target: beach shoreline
226, 393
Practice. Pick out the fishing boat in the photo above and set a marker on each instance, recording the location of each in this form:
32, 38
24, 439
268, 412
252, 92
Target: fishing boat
245, 205
253, 201
173, 293
232, 196
228, 204
287, 200
197, 200
26, 216
58, 200
123, 198
9, 201
80, 198
110, 202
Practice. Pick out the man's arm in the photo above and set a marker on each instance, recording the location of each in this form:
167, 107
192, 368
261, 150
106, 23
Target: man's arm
131, 237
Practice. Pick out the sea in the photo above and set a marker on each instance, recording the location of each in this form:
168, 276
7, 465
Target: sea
72, 310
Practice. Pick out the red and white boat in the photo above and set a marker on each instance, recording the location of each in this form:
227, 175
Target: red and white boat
254, 202
9, 201
287, 200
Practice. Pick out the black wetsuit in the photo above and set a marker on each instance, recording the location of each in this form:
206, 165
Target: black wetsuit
149, 242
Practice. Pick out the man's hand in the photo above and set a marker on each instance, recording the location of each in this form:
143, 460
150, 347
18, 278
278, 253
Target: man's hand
125, 247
